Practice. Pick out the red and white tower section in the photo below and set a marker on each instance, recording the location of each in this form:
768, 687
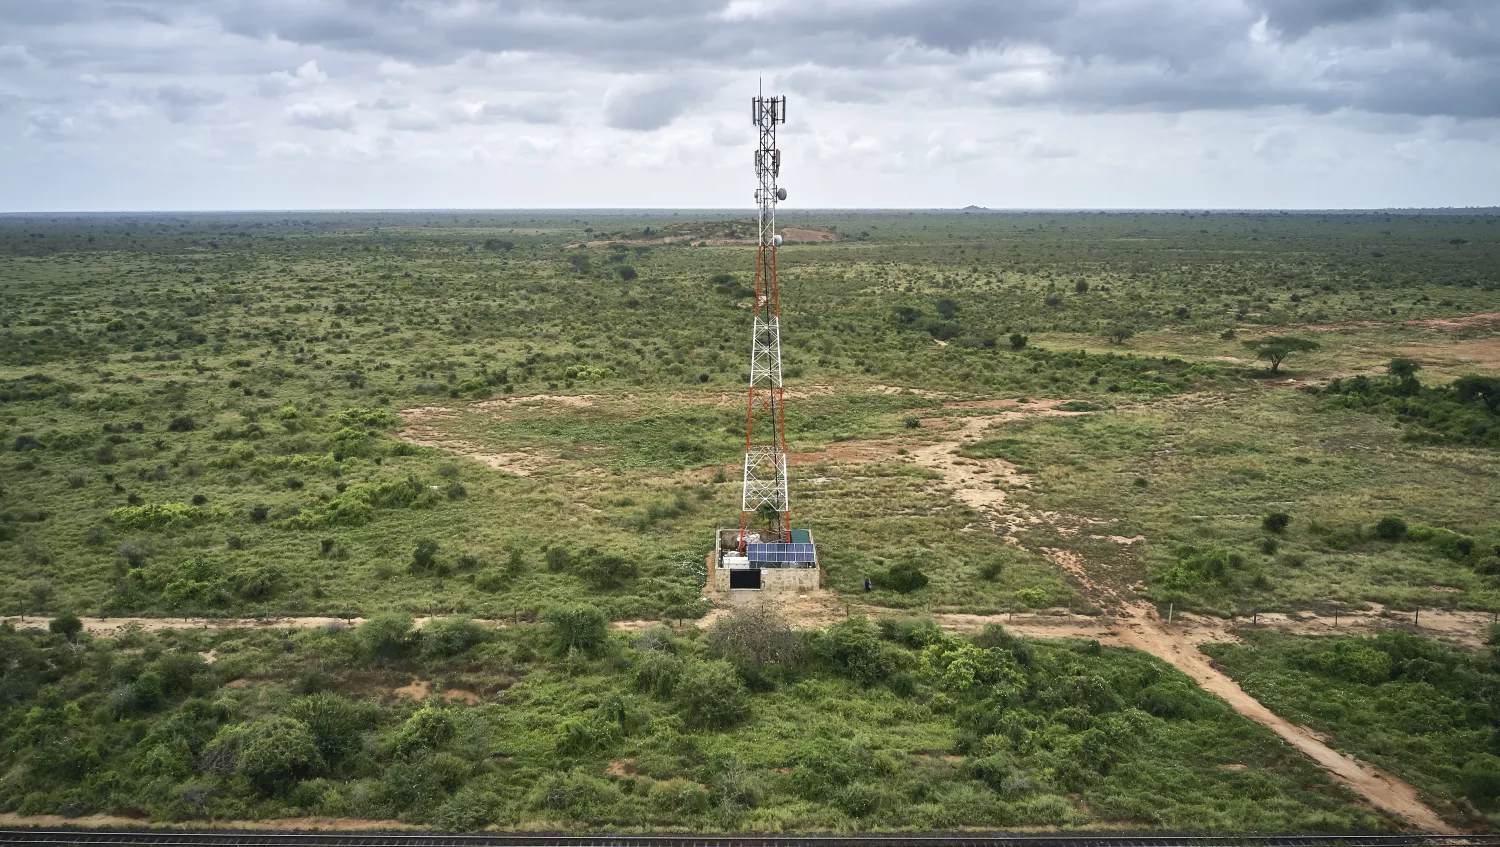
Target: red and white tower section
765, 423
765, 553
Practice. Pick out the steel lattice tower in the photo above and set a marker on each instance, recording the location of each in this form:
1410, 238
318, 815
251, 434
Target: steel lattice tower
765, 424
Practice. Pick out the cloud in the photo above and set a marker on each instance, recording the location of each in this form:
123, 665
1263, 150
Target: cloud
645, 105
180, 103
15, 56
281, 83
322, 115
535, 112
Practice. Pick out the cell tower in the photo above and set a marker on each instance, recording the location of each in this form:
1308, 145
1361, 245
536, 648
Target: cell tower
765, 424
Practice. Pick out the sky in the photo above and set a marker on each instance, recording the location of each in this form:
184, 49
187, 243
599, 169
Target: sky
112, 105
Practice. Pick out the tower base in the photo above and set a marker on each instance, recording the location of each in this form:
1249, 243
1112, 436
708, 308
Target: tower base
731, 572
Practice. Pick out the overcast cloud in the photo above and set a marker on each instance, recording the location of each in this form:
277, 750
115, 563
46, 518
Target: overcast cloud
219, 104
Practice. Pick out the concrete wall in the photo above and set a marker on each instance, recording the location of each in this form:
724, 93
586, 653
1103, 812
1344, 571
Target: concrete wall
776, 580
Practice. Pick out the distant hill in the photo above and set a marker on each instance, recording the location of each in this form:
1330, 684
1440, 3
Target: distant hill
967, 209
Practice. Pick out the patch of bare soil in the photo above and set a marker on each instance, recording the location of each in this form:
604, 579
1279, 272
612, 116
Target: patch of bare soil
621, 767
419, 690
1463, 322
896, 389
462, 696
424, 426
1484, 352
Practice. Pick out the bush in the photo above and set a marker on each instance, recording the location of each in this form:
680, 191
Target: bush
851, 649
1017, 341
449, 637
755, 638
1276, 522
626, 272
1390, 528
424, 556
902, 577
1481, 778
276, 752
337, 725
66, 624
579, 625
386, 637
711, 694
605, 570
426, 731
1032, 598
1354, 660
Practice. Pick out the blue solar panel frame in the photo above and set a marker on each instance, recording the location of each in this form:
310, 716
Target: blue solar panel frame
781, 553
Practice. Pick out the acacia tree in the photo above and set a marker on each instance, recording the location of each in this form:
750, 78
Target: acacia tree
1275, 348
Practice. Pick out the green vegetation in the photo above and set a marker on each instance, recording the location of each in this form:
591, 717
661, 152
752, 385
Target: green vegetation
1463, 412
469, 417
749, 727
1417, 707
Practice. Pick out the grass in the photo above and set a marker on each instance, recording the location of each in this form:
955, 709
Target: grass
203, 414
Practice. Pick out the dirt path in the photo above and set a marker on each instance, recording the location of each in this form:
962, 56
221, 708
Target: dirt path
978, 485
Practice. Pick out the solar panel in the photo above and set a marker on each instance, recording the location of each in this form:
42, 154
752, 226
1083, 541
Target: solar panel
780, 553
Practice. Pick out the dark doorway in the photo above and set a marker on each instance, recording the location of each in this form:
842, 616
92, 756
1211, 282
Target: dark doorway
744, 578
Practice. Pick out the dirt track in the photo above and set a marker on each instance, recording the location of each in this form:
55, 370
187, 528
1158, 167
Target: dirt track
1136, 623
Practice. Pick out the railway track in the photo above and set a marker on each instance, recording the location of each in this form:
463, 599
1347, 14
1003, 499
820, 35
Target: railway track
227, 838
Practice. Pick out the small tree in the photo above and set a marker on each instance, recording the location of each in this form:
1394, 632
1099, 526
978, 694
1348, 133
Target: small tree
385, 637
711, 694
1390, 528
66, 624
1275, 348
1017, 341
1276, 522
753, 637
425, 554
1119, 333
1483, 388
579, 625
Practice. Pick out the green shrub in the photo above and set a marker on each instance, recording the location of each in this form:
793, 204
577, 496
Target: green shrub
472, 808
658, 673
337, 725
277, 751
1276, 522
366, 418
385, 637
711, 694
851, 649
902, 577
164, 516
66, 624
1032, 598
426, 731
424, 555
1390, 528
446, 637
604, 570
579, 626
1354, 660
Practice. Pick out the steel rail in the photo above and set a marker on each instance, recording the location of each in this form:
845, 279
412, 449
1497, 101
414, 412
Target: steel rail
254, 838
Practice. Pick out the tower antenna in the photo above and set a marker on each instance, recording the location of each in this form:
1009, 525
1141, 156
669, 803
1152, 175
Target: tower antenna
765, 488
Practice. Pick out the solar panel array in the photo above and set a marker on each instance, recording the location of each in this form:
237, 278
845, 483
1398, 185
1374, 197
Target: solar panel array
780, 553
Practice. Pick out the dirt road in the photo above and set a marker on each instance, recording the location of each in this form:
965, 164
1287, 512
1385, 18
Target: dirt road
1136, 624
